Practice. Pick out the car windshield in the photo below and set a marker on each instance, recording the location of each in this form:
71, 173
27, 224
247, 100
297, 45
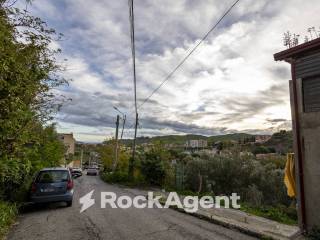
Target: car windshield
52, 176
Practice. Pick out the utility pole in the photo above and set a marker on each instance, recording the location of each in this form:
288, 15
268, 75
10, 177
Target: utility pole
123, 123
131, 17
132, 159
123, 120
81, 158
116, 145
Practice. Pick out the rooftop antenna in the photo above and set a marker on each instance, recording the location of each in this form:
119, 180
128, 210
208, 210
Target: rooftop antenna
287, 39
295, 40
316, 33
310, 30
290, 40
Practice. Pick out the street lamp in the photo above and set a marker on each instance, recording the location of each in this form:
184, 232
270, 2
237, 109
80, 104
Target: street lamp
117, 109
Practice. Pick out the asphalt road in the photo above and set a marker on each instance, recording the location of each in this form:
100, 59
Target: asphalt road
55, 221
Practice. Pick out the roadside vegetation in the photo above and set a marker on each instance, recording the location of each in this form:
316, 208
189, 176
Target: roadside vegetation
7, 217
259, 182
28, 76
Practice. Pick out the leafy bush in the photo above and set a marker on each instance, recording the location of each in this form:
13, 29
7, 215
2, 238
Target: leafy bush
153, 169
17, 172
123, 178
256, 183
263, 150
116, 177
8, 213
196, 177
253, 195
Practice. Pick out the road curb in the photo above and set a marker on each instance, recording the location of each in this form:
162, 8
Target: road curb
224, 224
216, 220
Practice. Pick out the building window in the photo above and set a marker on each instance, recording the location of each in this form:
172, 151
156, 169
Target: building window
311, 94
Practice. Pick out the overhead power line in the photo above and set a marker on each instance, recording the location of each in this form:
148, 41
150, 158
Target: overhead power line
189, 54
131, 15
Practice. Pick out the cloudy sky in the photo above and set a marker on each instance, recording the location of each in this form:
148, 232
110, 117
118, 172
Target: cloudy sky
230, 84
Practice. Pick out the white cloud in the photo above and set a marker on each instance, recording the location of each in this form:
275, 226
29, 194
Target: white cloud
230, 82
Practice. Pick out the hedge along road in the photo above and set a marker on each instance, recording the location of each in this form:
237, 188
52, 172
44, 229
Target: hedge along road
55, 221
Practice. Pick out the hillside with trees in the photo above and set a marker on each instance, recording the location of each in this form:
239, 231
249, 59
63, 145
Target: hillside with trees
259, 182
181, 139
281, 141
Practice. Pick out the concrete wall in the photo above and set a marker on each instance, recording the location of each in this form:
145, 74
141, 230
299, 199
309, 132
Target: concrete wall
310, 142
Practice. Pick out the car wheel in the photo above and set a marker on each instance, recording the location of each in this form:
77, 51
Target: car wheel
69, 203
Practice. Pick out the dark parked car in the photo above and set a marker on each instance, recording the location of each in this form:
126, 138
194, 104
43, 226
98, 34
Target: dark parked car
92, 171
76, 172
52, 185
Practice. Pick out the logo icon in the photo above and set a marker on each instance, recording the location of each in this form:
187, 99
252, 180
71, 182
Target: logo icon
87, 201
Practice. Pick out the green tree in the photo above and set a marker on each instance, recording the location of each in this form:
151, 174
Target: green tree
155, 166
28, 75
107, 154
45, 150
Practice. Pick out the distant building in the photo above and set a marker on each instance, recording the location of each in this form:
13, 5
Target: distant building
68, 141
169, 145
211, 152
199, 143
262, 138
74, 164
147, 146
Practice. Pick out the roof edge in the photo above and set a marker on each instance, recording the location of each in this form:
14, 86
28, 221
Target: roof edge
293, 52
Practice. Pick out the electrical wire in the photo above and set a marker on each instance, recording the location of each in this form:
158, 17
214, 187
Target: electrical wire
189, 54
180, 63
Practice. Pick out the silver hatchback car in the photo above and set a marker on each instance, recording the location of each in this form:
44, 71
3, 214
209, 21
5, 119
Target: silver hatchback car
53, 185
92, 171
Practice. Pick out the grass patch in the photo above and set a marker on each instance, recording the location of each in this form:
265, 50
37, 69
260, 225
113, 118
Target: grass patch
280, 214
8, 213
123, 179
